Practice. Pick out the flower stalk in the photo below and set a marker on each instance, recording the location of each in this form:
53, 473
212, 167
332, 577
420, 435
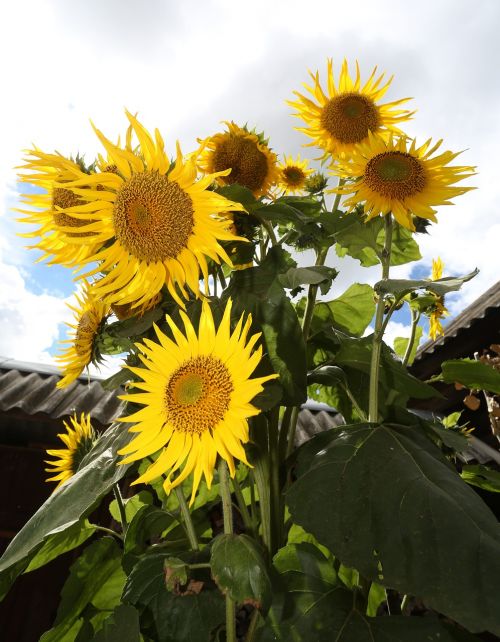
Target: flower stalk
186, 517
385, 258
227, 511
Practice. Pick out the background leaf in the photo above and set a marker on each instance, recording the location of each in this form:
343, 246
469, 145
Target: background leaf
121, 626
401, 343
439, 287
472, 374
353, 310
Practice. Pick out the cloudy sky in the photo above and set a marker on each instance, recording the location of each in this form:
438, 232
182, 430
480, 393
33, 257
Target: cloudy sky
185, 66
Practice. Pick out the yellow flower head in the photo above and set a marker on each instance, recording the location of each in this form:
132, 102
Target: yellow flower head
155, 224
89, 313
399, 177
197, 398
438, 309
293, 174
247, 156
342, 118
51, 206
78, 439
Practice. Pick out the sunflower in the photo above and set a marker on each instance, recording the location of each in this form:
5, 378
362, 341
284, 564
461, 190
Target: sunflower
78, 439
438, 309
89, 313
50, 209
129, 310
154, 223
246, 154
337, 122
293, 174
399, 177
197, 397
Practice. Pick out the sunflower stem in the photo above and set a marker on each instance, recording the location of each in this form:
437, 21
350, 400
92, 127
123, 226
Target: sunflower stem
121, 507
270, 232
242, 507
415, 318
109, 531
227, 511
186, 518
254, 620
385, 258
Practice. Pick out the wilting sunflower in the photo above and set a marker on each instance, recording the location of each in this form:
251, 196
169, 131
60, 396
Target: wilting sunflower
197, 397
341, 119
89, 313
50, 209
438, 309
78, 439
293, 174
399, 177
154, 223
247, 156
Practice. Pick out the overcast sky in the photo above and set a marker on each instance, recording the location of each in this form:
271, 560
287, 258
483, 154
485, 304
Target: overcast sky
185, 66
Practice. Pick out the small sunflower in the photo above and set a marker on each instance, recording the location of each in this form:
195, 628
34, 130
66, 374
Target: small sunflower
399, 177
50, 209
129, 310
438, 309
155, 224
89, 313
78, 439
341, 119
293, 174
197, 397
246, 154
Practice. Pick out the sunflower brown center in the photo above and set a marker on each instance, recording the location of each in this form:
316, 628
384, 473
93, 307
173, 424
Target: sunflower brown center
349, 117
64, 198
248, 164
197, 395
153, 217
294, 176
395, 175
85, 332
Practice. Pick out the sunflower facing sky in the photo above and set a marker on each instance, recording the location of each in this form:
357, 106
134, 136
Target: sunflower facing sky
399, 177
342, 118
197, 398
57, 230
293, 174
247, 155
89, 313
154, 223
78, 439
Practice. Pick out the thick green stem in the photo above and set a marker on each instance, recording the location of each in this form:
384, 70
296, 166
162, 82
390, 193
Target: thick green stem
385, 258
227, 511
415, 317
121, 507
242, 507
186, 518
277, 505
254, 620
270, 232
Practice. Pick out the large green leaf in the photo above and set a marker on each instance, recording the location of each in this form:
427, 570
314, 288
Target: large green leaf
472, 374
72, 501
364, 240
353, 310
313, 275
121, 626
238, 568
439, 287
174, 617
385, 501
87, 576
62, 542
314, 606
482, 477
257, 290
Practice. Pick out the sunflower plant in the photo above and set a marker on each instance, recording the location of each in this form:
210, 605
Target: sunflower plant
226, 523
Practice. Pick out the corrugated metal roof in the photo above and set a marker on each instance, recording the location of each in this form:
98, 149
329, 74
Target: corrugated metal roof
476, 310
31, 387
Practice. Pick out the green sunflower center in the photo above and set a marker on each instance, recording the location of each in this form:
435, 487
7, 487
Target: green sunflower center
197, 395
153, 217
349, 117
293, 176
248, 163
395, 175
63, 198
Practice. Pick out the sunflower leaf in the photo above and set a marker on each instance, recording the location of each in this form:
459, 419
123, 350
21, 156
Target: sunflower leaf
472, 374
440, 287
384, 500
